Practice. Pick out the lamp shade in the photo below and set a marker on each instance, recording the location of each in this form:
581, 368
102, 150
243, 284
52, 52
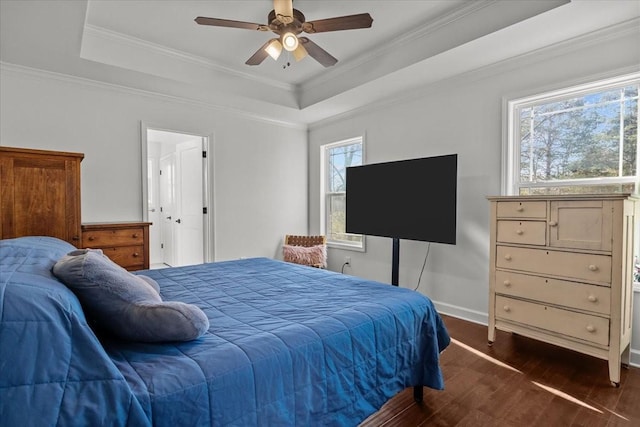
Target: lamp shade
300, 52
274, 49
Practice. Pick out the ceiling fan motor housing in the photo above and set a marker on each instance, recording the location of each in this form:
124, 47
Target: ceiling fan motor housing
279, 27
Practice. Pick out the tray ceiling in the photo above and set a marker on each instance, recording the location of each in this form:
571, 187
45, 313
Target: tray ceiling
157, 46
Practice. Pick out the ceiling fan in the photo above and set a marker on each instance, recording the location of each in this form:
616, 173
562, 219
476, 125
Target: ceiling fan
288, 23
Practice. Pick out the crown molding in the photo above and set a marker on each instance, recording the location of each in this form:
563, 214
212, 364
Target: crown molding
412, 37
628, 28
21, 70
177, 55
573, 44
409, 37
440, 37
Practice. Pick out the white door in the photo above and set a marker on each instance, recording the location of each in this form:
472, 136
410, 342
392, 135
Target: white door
153, 207
168, 208
189, 227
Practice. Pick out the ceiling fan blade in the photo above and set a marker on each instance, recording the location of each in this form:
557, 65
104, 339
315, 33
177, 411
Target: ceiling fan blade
217, 22
283, 10
318, 53
260, 55
351, 22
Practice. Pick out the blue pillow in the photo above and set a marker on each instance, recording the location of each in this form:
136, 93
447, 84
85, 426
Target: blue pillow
127, 305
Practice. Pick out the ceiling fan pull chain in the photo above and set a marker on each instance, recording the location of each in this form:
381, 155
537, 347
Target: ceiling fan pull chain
287, 61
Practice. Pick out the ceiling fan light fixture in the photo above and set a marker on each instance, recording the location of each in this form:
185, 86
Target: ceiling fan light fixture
300, 52
274, 49
290, 41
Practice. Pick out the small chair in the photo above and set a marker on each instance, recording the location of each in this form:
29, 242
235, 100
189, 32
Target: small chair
306, 250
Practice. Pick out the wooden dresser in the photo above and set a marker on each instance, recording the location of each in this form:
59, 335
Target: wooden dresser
561, 271
125, 243
40, 194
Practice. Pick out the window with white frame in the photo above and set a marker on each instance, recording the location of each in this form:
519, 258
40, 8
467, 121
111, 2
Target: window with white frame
582, 139
336, 158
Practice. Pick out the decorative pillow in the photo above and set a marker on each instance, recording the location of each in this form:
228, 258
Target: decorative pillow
149, 281
312, 255
127, 305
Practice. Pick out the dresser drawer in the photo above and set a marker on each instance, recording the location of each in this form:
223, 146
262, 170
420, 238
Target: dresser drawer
589, 267
126, 256
115, 237
553, 291
586, 327
524, 209
522, 232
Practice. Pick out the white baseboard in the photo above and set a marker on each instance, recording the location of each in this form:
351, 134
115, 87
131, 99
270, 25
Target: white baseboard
462, 313
483, 319
635, 358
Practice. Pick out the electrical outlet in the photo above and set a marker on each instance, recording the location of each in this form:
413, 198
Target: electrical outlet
347, 260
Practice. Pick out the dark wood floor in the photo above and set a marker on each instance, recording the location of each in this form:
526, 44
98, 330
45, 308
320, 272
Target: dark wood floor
532, 384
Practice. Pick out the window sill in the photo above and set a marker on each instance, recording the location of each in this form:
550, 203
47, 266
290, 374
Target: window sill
346, 247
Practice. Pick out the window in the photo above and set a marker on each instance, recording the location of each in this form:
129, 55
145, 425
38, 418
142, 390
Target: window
577, 140
335, 159
582, 139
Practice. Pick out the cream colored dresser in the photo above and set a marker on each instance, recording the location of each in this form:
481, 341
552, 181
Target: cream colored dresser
561, 272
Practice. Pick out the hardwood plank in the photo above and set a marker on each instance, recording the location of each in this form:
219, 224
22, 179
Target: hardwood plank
629, 403
587, 418
531, 407
517, 381
478, 418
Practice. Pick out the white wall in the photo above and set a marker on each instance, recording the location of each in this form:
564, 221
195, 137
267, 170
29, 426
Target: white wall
259, 169
260, 186
461, 115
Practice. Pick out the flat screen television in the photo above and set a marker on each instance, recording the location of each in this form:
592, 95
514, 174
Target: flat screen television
407, 199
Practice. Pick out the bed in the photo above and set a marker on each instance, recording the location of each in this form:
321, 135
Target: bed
287, 345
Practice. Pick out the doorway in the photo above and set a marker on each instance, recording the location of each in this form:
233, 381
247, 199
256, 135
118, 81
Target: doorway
175, 197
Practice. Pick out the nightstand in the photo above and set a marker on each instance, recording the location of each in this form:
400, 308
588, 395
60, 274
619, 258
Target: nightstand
125, 243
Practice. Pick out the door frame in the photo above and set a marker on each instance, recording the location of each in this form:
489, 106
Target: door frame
207, 183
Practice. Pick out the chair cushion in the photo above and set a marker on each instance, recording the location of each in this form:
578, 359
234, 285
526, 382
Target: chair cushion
125, 304
312, 255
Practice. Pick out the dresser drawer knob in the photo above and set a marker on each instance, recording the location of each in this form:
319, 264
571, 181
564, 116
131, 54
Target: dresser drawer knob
507, 283
593, 267
592, 298
520, 208
135, 235
507, 257
591, 328
136, 254
519, 232
507, 308
553, 223
91, 238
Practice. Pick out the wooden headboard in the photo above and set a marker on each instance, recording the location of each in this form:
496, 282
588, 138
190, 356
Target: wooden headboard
40, 194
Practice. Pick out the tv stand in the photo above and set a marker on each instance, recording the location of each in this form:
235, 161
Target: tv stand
395, 261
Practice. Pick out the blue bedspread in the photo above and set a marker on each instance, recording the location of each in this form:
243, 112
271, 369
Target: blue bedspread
53, 369
288, 345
